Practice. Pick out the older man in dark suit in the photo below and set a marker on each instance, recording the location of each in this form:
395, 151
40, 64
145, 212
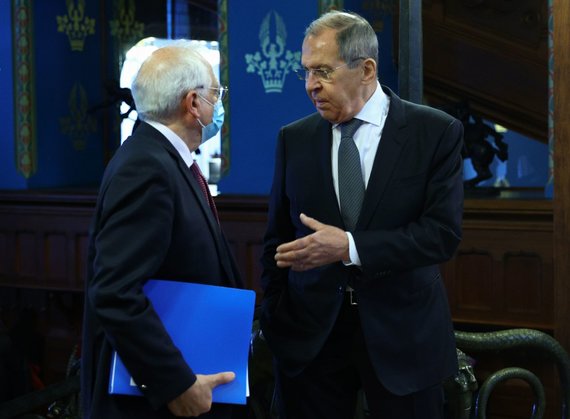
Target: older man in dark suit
366, 203
155, 219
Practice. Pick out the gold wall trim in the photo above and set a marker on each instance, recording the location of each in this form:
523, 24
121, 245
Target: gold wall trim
225, 81
24, 88
78, 124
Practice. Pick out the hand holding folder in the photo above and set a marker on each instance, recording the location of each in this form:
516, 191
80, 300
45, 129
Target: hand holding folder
211, 326
198, 398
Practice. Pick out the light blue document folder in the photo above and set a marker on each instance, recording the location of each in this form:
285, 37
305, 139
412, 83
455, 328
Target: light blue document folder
210, 325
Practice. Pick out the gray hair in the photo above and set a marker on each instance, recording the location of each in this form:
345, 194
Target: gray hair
165, 78
355, 37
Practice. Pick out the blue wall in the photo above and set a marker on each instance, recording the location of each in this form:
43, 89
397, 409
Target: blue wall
381, 17
62, 159
256, 115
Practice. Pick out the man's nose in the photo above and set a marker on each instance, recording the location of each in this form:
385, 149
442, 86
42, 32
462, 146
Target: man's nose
312, 82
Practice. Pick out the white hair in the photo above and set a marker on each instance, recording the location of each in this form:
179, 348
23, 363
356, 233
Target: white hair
165, 78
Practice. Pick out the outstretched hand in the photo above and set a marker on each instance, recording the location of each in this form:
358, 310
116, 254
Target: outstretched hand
197, 399
328, 244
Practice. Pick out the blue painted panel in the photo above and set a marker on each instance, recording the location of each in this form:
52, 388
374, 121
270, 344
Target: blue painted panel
257, 113
67, 83
380, 15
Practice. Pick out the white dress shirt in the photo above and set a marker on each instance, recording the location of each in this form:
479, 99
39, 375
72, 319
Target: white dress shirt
367, 138
175, 140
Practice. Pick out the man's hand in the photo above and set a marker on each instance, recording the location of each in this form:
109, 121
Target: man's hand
326, 245
197, 399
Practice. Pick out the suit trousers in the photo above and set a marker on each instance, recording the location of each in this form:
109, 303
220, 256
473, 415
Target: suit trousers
328, 387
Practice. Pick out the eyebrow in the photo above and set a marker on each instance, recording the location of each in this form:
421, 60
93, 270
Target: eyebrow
318, 67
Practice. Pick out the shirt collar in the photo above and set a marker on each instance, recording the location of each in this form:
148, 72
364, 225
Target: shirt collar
175, 140
375, 108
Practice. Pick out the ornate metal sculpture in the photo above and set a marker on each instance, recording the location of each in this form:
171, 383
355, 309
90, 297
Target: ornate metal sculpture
460, 388
516, 339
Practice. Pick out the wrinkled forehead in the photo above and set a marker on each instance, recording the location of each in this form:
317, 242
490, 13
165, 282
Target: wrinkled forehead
320, 49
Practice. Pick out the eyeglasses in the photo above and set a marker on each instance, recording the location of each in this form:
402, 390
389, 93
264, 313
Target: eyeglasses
322, 74
221, 92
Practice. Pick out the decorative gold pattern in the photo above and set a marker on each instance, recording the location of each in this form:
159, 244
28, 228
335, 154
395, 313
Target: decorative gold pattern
24, 115
75, 24
79, 124
125, 28
273, 63
376, 11
328, 5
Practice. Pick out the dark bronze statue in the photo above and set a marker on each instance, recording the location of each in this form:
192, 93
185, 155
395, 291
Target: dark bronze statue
477, 146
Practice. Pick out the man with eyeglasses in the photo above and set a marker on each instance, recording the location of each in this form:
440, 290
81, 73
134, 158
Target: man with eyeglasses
366, 203
154, 219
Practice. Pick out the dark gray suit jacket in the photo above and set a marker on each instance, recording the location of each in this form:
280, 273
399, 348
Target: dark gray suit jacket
410, 222
151, 221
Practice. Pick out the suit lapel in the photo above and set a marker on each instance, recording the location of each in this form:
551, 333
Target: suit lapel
199, 195
147, 129
211, 219
213, 226
386, 158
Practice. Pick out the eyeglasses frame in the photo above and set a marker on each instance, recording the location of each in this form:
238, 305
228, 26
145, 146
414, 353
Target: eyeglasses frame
221, 92
303, 73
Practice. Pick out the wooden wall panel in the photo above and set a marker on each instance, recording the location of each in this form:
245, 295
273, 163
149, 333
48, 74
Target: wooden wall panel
5, 253
46, 234
244, 223
502, 273
26, 263
79, 252
475, 289
501, 276
561, 157
247, 248
523, 278
55, 257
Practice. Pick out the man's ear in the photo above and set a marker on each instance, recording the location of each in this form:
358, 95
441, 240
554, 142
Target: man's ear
370, 75
191, 103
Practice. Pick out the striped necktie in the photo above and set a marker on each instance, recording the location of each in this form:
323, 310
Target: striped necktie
204, 187
350, 182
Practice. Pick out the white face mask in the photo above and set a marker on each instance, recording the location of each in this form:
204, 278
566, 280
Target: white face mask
210, 130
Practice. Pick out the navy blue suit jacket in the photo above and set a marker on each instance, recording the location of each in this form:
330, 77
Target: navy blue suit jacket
410, 222
151, 221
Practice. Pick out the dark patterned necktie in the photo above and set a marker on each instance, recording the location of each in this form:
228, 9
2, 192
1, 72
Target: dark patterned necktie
350, 183
204, 187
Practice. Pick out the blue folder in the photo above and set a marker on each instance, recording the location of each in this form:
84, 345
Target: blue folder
211, 326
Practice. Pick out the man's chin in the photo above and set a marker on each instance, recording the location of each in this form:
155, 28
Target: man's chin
325, 114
